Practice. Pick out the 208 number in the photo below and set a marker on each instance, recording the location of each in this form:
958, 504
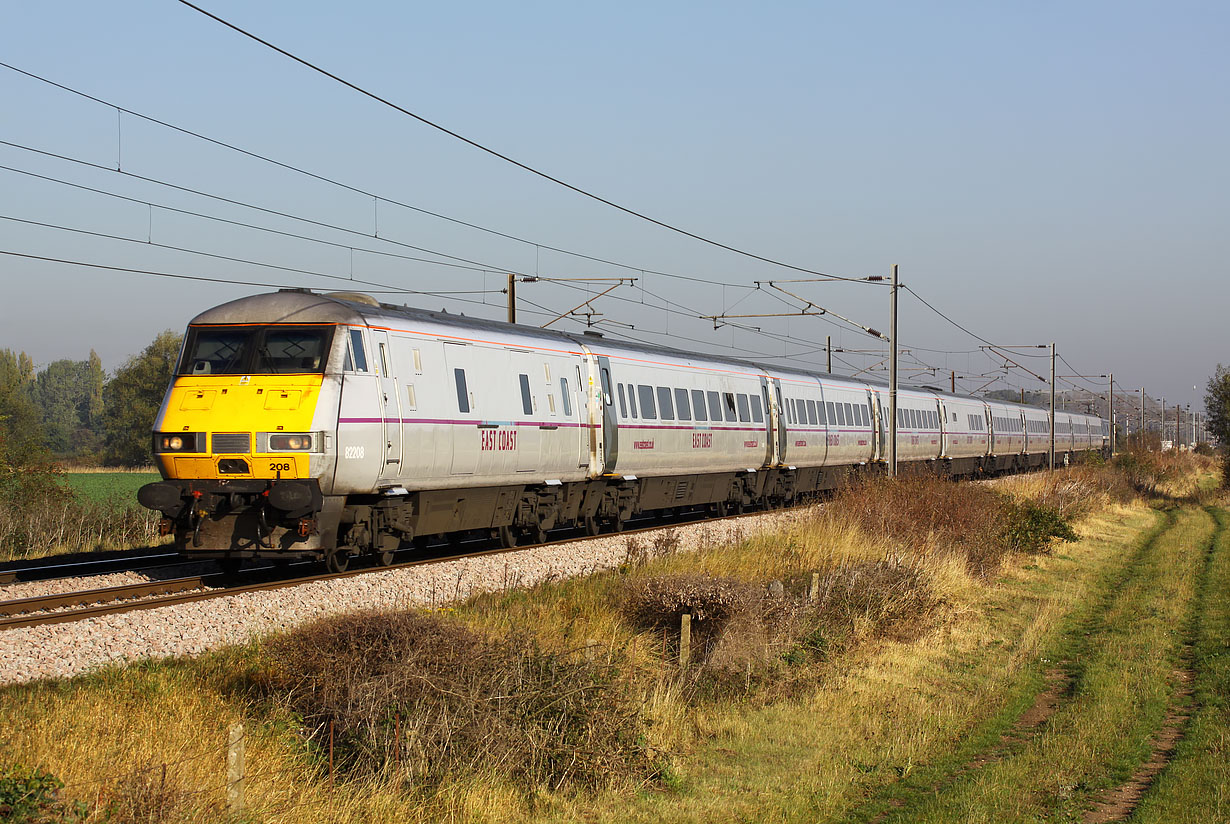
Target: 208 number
276, 466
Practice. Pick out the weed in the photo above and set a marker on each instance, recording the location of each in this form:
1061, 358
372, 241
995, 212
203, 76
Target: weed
30, 796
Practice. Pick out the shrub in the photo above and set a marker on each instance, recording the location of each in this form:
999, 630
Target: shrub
30, 796
425, 692
148, 795
1029, 526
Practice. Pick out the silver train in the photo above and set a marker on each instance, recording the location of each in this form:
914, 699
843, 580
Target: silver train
331, 425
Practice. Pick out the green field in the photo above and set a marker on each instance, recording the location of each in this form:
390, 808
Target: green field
116, 488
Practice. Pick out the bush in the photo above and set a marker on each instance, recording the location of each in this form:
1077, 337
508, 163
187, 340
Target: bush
1029, 527
30, 796
442, 701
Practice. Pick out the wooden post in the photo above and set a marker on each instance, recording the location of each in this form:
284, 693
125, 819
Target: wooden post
330, 753
685, 640
234, 770
591, 650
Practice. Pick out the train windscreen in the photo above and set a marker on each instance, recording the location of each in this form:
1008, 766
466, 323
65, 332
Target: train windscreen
255, 350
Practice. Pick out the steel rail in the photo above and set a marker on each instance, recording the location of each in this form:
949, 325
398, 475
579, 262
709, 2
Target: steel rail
187, 590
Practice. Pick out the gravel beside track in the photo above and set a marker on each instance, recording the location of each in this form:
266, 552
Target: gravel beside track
63, 650
55, 586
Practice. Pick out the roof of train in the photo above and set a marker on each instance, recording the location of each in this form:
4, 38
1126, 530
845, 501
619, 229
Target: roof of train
305, 306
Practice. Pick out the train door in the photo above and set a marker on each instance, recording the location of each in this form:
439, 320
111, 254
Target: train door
531, 410
877, 426
770, 442
464, 435
610, 430
390, 404
779, 421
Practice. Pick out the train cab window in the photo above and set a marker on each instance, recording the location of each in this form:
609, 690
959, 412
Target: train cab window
745, 415
565, 397
715, 406
682, 408
648, 411
356, 346
463, 396
757, 414
730, 407
632, 399
666, 409
698, 405
527, 401
623, 407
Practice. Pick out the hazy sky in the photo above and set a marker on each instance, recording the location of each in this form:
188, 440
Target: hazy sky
1040, 171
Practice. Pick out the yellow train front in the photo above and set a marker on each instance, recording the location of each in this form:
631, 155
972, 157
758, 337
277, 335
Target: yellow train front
246, 431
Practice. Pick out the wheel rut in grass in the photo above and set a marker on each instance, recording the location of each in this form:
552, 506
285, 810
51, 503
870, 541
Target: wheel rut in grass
1058, 681
1118, 803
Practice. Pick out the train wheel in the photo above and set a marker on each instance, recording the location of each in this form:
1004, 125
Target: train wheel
535, 535
617, 524
592, 526
338, 560
507, 536
385, 558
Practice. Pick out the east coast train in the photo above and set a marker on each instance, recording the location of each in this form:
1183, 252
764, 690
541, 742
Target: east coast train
330, 425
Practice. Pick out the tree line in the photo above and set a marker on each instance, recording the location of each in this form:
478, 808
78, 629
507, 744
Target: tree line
74, 412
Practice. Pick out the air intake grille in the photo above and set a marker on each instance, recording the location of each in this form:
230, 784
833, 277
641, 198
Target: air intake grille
231, 443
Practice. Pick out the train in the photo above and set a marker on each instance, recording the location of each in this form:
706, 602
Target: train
328, 426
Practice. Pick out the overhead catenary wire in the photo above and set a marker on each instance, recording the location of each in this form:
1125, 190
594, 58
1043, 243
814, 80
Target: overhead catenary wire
526, 167
359, 190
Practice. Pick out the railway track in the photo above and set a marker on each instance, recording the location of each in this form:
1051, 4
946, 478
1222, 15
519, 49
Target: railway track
75, 606
75, 569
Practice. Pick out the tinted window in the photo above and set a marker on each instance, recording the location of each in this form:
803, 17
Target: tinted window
216, 352
832, 418
850, 415
360, 354
810, 409
698, 405
666, 410
715, 406
681, 405
527, 403
730, 407
820, 418
463, 397
632, 399
607, 395
841, 414
744, 412
645, 393
623, 407
757, 415
567, 398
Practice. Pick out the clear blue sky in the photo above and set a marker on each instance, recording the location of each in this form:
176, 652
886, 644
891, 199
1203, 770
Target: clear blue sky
1040, 171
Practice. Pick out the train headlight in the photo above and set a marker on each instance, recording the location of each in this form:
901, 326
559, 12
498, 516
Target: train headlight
279, 442
177, 442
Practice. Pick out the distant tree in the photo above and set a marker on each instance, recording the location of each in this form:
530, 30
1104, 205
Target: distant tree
131, 400
1217, 404
21, 430
62, 393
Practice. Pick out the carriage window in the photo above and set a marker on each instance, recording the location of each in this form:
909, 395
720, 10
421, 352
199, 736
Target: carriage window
744, 412
850, 415
418, 361
730, 407
645, 393
821, 419
411, 400
623, 407
463, 397
790, 418
757, 414
527, 402
832, 416
841, 414
715, 406
681, 405
665, 408
563, 393
698, 405
632, 399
